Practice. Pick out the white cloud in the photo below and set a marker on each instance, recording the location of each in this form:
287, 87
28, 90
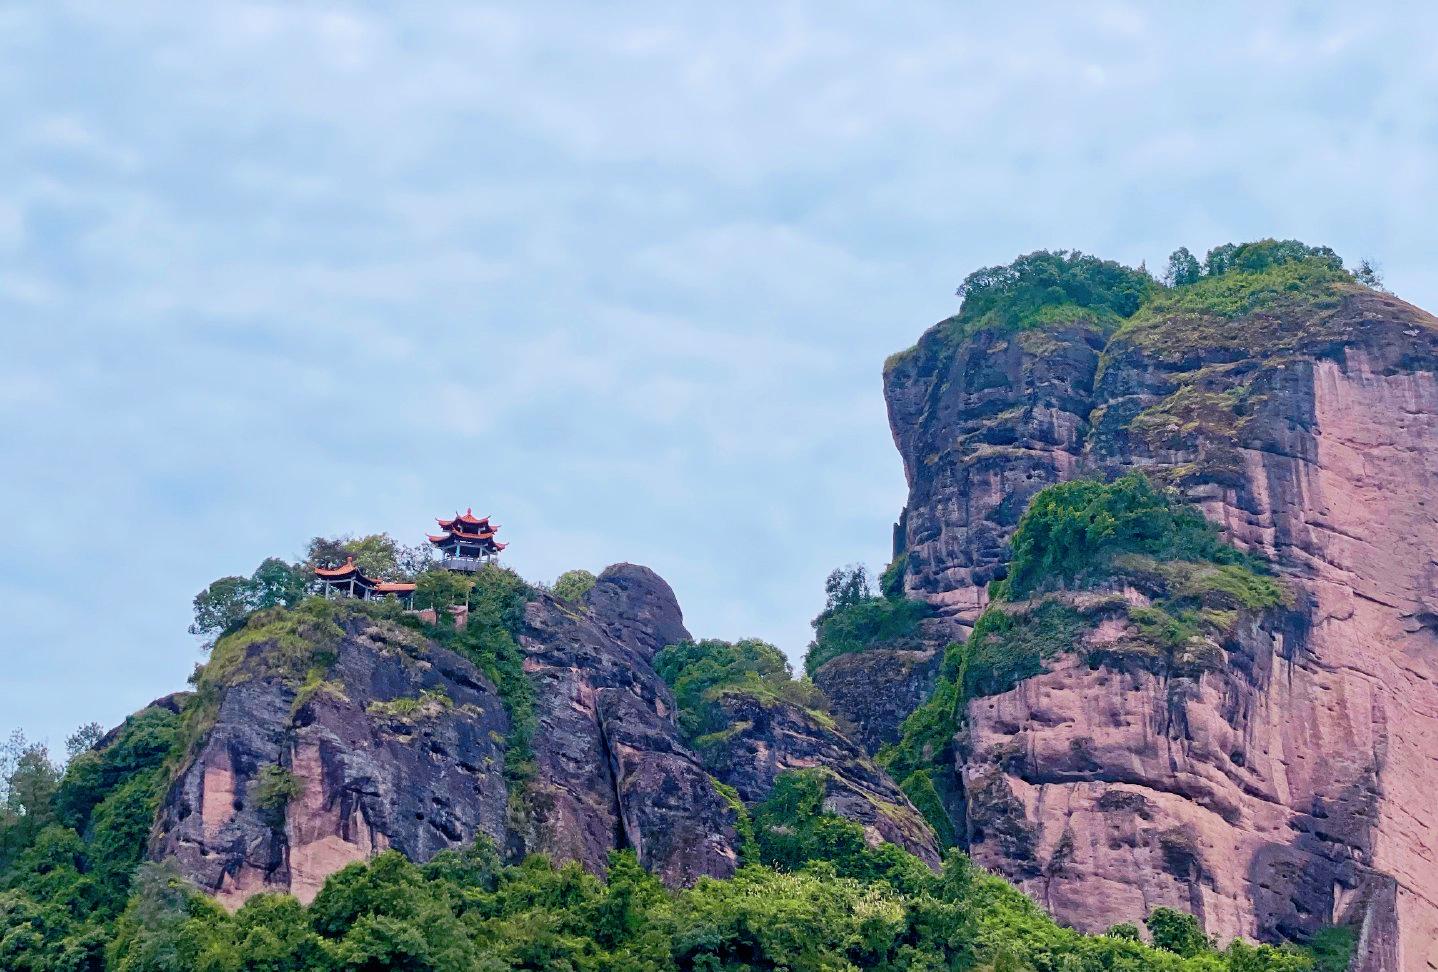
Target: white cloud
625, 278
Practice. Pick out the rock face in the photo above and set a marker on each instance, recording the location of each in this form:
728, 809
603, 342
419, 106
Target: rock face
771, 736
874, 691
394, 741
1292, 787
611, 767
400, 746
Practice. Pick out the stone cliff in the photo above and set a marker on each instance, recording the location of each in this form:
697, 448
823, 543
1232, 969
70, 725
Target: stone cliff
322, 735
331, 733
1287, 787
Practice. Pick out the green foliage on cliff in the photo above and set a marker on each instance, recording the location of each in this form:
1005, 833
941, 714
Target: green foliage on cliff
573, 585
855, 620
1007, 647
701, 673
274, 790
815, 898
1235, 280
496, 597
859, 627
1072, 531
1047, 287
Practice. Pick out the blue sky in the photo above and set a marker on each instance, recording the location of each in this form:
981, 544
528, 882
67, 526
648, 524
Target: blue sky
622, 276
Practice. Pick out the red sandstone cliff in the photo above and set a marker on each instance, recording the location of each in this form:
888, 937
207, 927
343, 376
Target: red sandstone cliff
1291, 787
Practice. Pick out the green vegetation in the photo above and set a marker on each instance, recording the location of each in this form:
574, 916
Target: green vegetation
573, 585
1072, 531
1007, 647
1078, 544
378, 555
855, 620
495, 597
69, 845
891, 581
427, 704
814, 898
1332, 948
1044, 287
703, 673
274, 790
227, 602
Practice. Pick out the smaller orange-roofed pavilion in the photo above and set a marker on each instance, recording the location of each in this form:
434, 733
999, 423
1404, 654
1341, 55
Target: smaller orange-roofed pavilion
467, 541
347, 580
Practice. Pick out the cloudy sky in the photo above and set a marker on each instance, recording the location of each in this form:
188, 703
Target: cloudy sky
621, 275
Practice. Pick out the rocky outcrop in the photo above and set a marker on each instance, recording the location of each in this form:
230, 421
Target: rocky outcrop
872, 692
400, 745
1287, 788
611, 769
982, 426
768, 736
637, 608
327, 739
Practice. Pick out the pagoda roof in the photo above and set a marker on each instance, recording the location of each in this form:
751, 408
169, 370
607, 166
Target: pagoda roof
387, 587
344, 570
449, 535
468, 519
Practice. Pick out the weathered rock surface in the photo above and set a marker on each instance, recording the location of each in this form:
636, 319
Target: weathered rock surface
771, 736
612, 769
874, 691
361, 780
399, 742
1292, 788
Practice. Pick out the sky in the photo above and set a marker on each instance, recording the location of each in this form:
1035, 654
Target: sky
621, 275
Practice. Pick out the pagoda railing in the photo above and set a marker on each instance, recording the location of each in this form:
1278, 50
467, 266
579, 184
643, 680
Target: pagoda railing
464, 563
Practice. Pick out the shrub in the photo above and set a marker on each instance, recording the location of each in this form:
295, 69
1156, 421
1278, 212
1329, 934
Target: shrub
862, 625
1177, 932
1076, 528
274, 789
701, 673
1012, 297
573, 585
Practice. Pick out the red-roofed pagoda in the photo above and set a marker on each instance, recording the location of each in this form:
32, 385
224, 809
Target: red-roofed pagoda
347, 580
467, 541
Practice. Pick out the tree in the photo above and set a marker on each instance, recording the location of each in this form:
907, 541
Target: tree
28, 781
83, 739
1183, 268
225, 602
1177, 932
845, 586
573, 584
378, 555
230, 600
1368, 274
277, 584
438, 588
327, 551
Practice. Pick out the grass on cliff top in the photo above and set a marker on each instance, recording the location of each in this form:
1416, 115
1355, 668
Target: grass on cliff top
1042, 290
